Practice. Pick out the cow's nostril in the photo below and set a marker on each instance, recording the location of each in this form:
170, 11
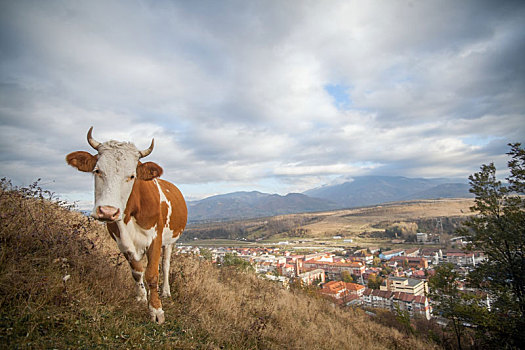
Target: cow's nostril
116, 215
107, 212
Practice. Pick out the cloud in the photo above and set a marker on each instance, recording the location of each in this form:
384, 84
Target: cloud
273, 96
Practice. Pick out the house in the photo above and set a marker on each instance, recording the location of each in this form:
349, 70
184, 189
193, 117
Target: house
391, 253
403, 284
414, 252
410, 261
421, 237
283, 281
335, 269
459, 257
343, 293
413, 304
334, 289
363, 256
355, 289
419, 274
310, 276
286, 269
265, 267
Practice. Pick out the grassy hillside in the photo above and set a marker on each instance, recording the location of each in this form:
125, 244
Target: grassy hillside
64, 285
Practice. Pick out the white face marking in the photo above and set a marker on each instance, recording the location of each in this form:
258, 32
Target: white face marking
115, 174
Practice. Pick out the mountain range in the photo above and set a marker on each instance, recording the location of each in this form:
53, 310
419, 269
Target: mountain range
355, 192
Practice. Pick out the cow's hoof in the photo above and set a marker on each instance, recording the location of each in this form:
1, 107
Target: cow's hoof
157, 315
166, 295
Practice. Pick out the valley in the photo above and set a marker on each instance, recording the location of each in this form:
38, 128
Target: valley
366, 226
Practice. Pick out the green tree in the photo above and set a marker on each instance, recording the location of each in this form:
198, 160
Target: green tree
459, 307
235, 261
498, 230
206, 254
403, 319
346, 277
374, 281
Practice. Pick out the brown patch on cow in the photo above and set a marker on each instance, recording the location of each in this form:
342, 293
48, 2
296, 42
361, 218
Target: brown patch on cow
81, 160
143, 204
154, 300
148, 171
152, 270
179, 211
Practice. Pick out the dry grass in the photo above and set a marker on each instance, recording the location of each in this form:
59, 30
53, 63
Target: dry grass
227, 309
42, 242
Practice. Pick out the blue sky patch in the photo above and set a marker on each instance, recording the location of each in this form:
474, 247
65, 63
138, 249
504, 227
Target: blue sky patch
340, 94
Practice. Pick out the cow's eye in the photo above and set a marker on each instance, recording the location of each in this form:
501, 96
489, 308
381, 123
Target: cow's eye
132, 177
97, 172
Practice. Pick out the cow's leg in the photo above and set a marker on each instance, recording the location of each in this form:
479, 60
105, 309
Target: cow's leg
137, 271
152, 278
166, 258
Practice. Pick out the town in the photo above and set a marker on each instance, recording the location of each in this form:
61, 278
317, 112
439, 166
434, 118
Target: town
364, 277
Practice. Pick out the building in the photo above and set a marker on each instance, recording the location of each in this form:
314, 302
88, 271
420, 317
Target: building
421, 237
414, 252
355, 289
420, 263
343, 293
334, 289
461, 257
311, 276
389, 254
407, 285
333, 269
414, 304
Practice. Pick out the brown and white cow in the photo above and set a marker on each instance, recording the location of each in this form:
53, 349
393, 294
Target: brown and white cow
143, 213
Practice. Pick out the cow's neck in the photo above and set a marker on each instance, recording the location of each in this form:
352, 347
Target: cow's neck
139, 226
143, 204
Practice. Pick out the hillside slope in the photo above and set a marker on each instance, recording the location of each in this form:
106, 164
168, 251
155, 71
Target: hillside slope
64, 285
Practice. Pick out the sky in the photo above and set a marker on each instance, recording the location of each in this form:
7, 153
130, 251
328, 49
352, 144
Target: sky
274, 96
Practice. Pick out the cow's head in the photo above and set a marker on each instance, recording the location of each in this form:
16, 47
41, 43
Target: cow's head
116, 167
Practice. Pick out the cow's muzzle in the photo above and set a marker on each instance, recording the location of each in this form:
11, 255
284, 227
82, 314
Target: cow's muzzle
107, 213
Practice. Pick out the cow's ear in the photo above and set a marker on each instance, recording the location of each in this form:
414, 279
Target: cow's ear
148, 171
81, 160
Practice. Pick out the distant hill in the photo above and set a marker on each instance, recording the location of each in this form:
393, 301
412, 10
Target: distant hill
239, 205
360, 191
371, 190
447, 190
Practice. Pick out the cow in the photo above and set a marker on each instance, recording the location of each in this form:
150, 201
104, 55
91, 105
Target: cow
143, 213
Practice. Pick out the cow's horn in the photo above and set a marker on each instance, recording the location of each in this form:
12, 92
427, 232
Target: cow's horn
94, 143
147, 151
